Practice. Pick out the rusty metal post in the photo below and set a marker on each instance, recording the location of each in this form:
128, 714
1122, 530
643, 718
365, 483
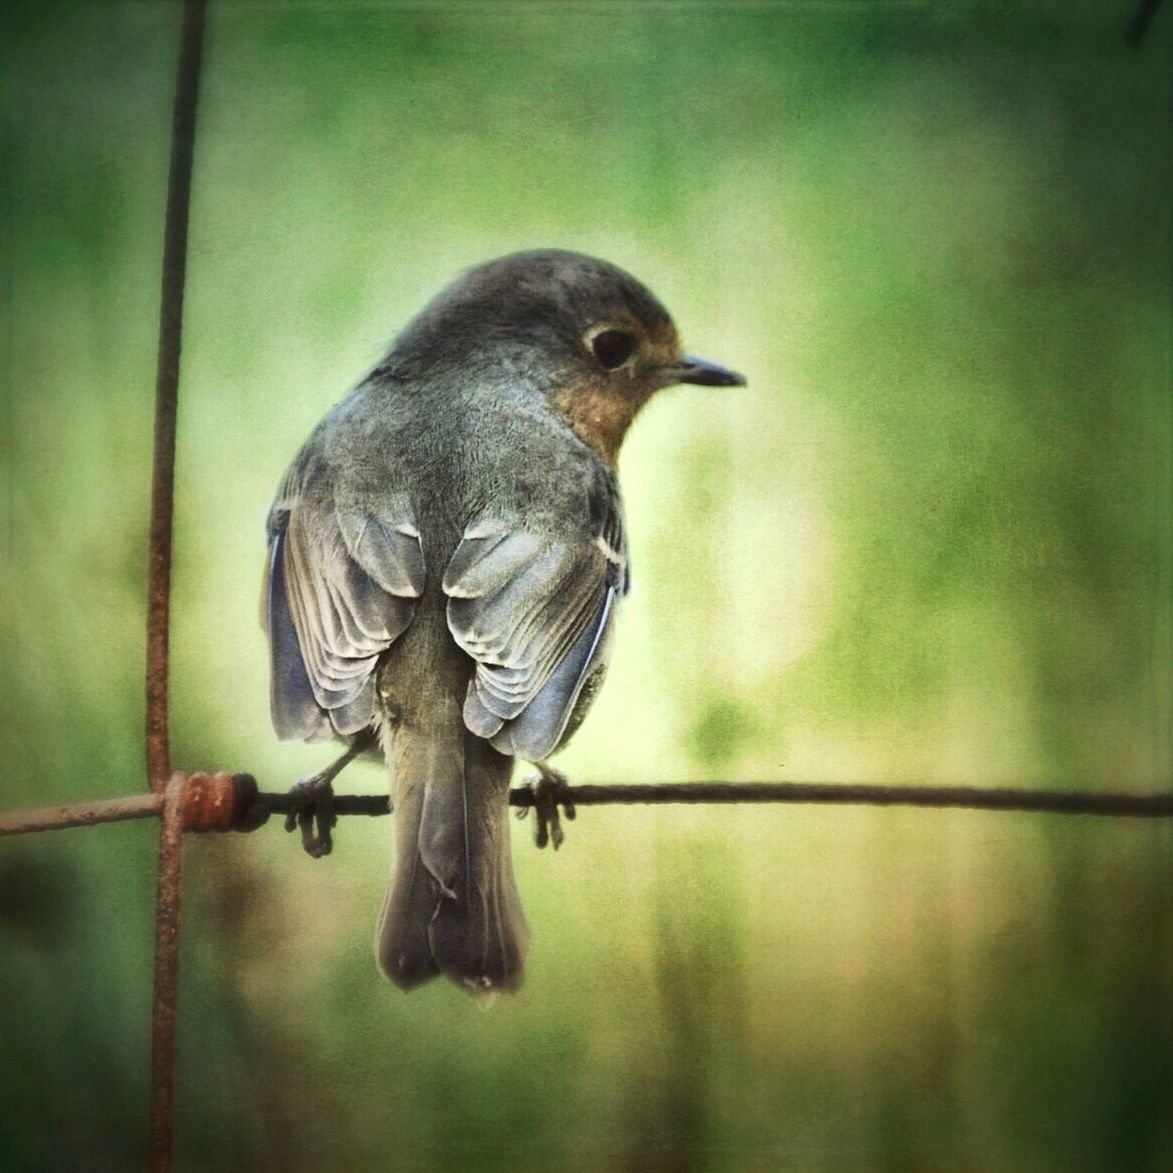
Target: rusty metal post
167, 389
158, 751
167, 896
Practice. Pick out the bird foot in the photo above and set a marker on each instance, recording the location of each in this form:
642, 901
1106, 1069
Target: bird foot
311, 801
312, 811
550, 791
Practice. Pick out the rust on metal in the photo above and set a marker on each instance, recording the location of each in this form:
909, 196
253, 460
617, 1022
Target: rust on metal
157, 738
209, 802
167, 390
167, 895
231, 802
81, 814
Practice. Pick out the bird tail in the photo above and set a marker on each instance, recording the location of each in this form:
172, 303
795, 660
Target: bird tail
452, 906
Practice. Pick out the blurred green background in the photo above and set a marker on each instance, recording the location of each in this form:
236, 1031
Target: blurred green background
930, 542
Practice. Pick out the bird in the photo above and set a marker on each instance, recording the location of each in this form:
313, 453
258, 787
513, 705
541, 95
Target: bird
446, 559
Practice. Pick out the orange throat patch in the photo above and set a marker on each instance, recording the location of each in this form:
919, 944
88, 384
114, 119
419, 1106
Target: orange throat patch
599, 416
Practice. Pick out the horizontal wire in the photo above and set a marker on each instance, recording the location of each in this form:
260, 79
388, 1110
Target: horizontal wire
826, 793
82, 814
1062, 802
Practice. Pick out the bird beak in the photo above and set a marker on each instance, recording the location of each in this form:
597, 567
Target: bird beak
704, 373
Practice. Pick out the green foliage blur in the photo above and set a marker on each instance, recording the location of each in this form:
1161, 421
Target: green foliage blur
931, 542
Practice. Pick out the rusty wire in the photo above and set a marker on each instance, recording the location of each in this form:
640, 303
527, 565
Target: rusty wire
231, 802
167, 388
157, 743
81, 814
168, 891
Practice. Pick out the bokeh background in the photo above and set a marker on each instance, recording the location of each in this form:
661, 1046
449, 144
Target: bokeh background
930, 542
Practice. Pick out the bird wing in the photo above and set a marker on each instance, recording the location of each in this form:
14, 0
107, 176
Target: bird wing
535, 611
341, 587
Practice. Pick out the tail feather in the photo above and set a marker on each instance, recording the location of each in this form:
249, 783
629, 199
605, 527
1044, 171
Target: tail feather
452, 906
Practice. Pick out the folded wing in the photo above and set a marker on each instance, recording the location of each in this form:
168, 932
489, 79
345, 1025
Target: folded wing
341, 587
535, 611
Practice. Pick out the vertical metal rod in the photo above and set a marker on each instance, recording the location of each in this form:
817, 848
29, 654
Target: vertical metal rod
167, 388
167, 896
158, 750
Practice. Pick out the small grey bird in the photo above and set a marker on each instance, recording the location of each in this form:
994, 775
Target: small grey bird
446, 558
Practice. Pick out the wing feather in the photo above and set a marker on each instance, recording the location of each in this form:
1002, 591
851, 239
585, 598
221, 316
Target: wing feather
342, 587
296, 714
535, 611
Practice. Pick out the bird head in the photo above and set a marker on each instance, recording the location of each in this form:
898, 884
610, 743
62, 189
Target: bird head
594, 340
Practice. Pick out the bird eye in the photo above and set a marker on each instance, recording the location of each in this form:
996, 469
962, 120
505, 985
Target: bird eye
613, 348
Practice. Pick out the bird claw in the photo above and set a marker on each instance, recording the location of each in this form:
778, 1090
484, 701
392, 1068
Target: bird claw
311, 801
550, 790
312, 811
